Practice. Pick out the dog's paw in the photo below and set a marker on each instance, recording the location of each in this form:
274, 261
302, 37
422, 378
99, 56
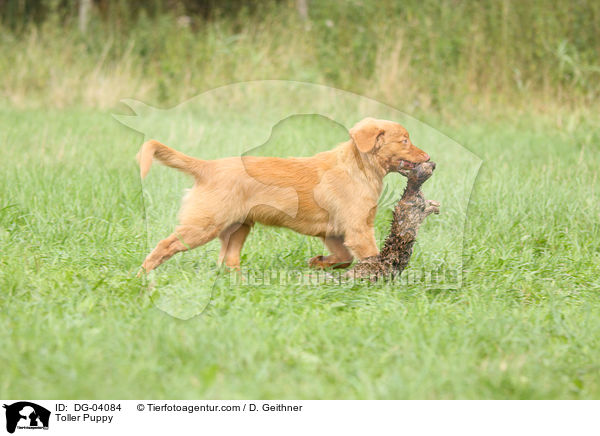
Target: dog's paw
316, 262
324, 262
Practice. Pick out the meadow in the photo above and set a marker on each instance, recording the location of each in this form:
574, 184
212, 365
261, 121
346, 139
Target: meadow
525, 324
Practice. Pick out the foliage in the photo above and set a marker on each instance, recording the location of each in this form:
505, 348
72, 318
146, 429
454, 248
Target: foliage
415, 55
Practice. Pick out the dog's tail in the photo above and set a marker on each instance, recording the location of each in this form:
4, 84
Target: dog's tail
167, 156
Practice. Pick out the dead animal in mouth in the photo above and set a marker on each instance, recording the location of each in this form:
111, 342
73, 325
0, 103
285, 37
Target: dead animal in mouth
409, 213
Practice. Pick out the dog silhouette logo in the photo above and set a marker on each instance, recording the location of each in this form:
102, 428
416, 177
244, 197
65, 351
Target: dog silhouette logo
26, 415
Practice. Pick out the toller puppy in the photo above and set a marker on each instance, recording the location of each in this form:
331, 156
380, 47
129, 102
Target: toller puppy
332, 195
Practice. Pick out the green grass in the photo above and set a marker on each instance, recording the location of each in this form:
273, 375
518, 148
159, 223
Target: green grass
414, 54
76, 322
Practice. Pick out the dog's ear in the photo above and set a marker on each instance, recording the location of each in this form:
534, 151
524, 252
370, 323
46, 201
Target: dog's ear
365, 134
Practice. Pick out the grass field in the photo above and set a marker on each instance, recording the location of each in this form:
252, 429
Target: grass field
77, 323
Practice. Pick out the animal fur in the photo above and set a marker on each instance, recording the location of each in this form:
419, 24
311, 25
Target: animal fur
332, 195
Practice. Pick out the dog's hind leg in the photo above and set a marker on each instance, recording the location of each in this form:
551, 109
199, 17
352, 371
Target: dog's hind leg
232, 241
184, 238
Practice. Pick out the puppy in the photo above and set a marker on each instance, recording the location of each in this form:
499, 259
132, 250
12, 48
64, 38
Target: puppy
332, 195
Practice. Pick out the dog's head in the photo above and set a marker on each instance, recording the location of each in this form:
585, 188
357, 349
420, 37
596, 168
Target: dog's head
388, 143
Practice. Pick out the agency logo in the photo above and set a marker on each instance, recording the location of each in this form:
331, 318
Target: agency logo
26, 415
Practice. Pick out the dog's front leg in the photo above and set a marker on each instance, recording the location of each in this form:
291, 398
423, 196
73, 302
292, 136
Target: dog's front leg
361, 243
340, 257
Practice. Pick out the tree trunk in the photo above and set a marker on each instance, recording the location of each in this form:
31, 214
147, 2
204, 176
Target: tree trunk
302, 7
84, 14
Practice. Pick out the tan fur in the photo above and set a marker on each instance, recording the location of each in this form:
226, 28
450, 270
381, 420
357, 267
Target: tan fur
332, 195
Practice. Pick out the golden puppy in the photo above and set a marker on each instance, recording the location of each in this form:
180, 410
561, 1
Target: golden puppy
332, 195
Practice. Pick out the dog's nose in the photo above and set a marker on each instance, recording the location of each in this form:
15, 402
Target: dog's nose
427, 158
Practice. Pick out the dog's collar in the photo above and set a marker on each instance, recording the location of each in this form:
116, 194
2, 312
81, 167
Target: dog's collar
358, 158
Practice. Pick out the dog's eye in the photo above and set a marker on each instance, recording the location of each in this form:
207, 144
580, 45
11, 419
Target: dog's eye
405, 141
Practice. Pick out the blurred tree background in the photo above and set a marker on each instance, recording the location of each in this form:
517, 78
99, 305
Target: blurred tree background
414, 54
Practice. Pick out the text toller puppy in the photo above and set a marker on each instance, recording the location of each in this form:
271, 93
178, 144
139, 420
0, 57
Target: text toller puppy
332, 195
